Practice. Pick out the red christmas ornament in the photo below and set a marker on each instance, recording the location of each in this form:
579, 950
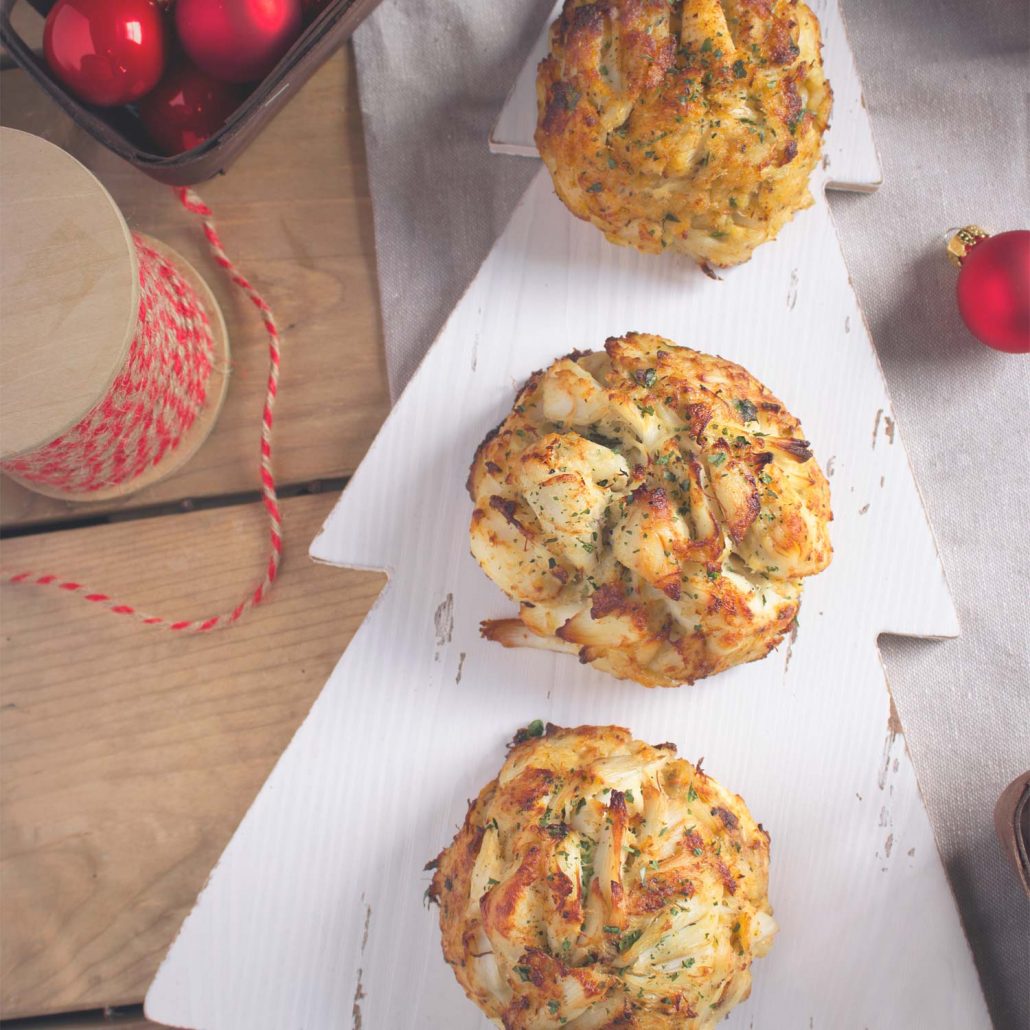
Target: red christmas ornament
106, 52
993, 286
237, 40
188, 107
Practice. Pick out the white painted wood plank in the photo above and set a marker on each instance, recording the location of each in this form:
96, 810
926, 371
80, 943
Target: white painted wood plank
377, 778
314, 912
849, 154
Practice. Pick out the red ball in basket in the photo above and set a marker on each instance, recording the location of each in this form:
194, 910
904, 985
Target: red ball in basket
187, 108
237, 40
106, 52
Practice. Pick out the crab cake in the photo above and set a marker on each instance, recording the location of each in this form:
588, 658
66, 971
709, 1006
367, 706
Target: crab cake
599, 882
684, 125
652, 509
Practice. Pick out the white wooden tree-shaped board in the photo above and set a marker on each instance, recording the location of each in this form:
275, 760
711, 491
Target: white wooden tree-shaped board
315, 918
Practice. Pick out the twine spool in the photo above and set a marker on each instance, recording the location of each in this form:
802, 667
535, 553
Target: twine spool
114, 353
181, 317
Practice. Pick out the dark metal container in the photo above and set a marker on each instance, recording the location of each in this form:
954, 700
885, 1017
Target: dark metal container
119, 130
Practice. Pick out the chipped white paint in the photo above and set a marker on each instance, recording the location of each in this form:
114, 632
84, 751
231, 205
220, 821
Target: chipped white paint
414, 718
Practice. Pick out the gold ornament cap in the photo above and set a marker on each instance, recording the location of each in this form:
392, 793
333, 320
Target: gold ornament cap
963, 241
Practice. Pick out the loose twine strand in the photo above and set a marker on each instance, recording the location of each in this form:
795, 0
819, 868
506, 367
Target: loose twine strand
192, 203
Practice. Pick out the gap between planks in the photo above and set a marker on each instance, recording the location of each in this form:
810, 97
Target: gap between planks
125, 1017
85, 519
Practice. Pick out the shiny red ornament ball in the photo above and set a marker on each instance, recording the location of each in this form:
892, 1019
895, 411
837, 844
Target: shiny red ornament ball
994, 291
106, 52
187, 107
237, 40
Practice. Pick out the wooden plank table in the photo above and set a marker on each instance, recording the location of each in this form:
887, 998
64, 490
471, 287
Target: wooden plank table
128, 755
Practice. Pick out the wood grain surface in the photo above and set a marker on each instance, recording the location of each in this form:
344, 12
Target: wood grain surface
69, 291
296, 214
129, 755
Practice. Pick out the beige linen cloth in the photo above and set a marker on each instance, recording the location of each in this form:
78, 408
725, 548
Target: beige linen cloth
946, 84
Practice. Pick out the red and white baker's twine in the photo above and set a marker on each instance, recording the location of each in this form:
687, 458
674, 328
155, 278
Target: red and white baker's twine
153, 400
148, 408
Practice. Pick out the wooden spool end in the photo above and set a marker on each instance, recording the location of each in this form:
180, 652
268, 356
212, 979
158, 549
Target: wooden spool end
69, 304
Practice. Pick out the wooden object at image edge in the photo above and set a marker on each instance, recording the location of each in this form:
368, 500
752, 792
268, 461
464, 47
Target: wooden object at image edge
296, 215
119, 748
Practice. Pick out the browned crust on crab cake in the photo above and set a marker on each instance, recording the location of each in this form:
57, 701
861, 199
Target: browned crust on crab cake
651, 508
685, 126
598, 877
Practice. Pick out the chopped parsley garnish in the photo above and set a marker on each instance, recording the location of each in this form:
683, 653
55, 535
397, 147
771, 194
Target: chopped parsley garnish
739, 70
748, 412
534, 729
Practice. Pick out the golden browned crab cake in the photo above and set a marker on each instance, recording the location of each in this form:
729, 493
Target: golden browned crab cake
687, 125
653, 509
600, 882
